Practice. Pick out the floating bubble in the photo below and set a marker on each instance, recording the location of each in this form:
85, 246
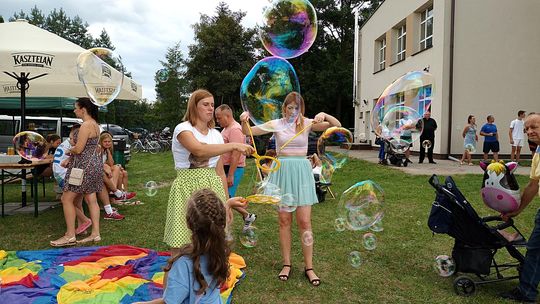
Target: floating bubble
355, 259
362, 205
327, 170
377, 226
263, 92
30, 145
334, 144
249, 237
150, 188
162, 75
307, 238
100, 70
370, 241
444, 265
418, 223
470, 148
426, 144
287, 203
289, 27
413, 90
403, 124
340, 224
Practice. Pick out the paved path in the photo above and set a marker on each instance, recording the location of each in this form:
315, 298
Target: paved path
443, 166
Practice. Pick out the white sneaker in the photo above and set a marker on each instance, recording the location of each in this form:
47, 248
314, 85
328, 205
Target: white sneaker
250, 218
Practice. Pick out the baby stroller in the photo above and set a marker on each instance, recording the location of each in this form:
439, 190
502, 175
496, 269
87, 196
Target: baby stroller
394, 152
476, 242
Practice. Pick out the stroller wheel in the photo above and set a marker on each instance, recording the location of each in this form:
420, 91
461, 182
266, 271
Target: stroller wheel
464, 286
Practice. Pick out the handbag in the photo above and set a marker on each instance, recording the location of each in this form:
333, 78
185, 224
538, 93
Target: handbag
77, 174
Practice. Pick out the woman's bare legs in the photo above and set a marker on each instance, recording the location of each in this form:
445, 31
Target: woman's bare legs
285, 220
303, 219
91, 201
68, 205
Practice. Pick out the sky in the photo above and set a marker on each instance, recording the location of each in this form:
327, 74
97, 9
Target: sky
141, 30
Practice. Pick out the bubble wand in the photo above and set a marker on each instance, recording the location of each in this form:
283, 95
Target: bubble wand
259, 158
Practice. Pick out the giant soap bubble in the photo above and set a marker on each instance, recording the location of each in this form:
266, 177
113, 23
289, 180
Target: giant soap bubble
334, 144
30, 145
289, 28
362, 205
402, 126
411, 93
263, 92
100, 70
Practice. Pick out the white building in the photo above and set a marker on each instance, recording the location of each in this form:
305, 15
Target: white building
484, 56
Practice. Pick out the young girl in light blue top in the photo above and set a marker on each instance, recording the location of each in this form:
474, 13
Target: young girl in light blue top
470, 140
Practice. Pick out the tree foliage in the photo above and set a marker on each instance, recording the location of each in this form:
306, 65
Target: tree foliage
222, 54
172, 94
58, 22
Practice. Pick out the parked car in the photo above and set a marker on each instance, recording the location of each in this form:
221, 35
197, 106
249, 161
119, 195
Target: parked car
44, 125
119, 133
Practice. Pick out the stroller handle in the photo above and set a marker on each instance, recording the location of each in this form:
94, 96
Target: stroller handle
434, 182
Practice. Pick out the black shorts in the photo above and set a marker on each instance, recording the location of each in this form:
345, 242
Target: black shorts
492, 146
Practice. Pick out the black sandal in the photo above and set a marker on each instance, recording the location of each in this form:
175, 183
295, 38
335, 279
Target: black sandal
314, 282
285, 277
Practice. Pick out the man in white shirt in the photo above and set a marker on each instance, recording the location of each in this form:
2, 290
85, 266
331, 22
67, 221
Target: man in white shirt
517, 136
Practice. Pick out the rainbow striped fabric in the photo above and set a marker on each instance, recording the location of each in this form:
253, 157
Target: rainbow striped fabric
109, 274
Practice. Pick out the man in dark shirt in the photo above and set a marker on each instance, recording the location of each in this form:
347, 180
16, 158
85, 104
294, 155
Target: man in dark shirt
428, 134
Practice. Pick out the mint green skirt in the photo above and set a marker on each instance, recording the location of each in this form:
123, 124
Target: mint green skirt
186, 183
295, 177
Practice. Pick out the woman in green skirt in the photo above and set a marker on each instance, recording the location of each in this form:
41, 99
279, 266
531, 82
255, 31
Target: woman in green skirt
294, 176
196, 148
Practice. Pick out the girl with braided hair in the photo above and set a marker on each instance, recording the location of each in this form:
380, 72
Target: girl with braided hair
196, 273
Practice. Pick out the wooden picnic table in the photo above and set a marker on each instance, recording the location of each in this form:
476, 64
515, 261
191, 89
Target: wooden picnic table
20, 172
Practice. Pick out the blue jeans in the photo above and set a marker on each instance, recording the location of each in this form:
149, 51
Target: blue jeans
381, 152
530, 275
238, 173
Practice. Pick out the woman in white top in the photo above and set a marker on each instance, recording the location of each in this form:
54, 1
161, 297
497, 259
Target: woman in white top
196, 148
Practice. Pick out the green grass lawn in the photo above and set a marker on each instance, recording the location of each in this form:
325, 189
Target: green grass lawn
399, 270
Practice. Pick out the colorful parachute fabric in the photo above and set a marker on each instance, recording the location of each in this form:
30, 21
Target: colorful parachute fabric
110, 274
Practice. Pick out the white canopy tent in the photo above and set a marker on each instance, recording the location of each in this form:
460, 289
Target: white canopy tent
25, 48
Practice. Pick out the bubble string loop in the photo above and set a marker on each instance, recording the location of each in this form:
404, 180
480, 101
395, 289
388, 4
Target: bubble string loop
263, 199
259, 158
296, 135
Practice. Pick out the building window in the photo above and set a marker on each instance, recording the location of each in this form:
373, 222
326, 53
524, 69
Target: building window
426, 29
401, 43
382, 54
424, 100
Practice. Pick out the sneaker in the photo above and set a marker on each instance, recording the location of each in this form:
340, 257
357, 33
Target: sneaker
250, 218
114, 216
127, 195
516, 295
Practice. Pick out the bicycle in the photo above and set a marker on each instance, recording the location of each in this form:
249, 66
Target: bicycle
145, 145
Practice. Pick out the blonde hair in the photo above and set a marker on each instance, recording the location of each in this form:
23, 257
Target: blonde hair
297, 98
191, 112
105, 135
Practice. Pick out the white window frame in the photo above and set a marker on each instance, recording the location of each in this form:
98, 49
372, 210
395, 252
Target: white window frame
425, 40
423, 100
382, 54
401, 42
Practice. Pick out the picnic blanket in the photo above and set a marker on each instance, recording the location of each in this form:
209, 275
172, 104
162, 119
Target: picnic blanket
108, 274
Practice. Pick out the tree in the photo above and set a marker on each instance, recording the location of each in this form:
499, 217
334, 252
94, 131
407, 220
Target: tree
78, 33
104, 40
326, 70
173, 93
1, 19
58, 23
222, 54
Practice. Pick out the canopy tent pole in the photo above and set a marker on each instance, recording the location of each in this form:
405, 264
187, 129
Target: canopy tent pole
23, 85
